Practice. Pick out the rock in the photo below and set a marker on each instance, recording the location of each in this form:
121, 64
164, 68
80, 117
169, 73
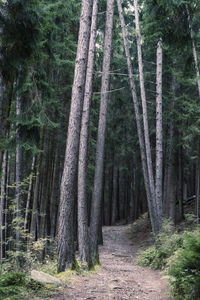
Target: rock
45, 278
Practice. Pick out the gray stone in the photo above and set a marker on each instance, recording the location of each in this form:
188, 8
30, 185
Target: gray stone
45, 278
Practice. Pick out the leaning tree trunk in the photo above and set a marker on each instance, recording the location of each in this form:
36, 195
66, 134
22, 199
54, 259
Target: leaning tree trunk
83, 237
96, 197
66, 230
151, 202
159, 138
144, 108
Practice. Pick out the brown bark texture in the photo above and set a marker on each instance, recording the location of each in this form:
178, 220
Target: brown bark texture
96, 197
83, 234
65, 230
144, 108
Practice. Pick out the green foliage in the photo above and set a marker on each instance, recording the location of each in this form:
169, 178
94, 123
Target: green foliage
11, 283
166, 244
184, 268
179, 254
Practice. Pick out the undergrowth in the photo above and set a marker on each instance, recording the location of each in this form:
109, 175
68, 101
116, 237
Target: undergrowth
178, 253
15, 279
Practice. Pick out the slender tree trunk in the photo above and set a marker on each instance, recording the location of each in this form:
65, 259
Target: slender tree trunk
35, 210
55, 193
114, 197
180, 182
46, 183
83, 236
65, 231
29, 193
194, 50
96, 197
2, 201
172, 184
19, 169
169, 156
6, 218
144, 108
110, 193
198, 181
5, 106
1, 96
159, 138
1, 105
151, 201
198, 85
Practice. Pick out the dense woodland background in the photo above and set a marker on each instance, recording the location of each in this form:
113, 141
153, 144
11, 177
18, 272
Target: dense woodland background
38, 49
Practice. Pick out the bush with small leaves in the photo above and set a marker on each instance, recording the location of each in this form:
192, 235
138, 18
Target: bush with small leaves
11, 282
184, 268
167, 242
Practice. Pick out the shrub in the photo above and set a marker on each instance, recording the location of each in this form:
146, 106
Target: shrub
11, 282
166, 244
184, 268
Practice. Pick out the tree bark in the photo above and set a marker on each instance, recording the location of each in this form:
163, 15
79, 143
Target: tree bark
2, 202
180, 183
114, 197
83, 235
35, 209
198, 180
65, 231
55, 195
19, 169
194, 50
159, 138
96, 197
144, 108
29, 193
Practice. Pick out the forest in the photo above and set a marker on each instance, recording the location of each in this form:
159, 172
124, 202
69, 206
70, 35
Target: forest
99, 146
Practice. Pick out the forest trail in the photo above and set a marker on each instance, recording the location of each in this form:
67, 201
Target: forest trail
119, 277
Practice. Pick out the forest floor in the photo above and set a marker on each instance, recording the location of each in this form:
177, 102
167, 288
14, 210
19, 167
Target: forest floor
119, 276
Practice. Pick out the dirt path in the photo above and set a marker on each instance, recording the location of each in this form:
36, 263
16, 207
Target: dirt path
119, 277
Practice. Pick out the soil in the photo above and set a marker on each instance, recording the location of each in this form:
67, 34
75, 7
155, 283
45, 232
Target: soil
119, 276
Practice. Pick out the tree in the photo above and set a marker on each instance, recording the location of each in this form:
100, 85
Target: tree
65, 234
159, 137
83, 237
96, 196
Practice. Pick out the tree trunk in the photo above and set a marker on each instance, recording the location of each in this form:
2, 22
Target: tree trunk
29, 193
83, 236
159, 138
198, 180
180, 183
19, 170
35, 210
54, 203
151, 201
194, 50
144, 108
2, 202
172, 183
96, 197
114, 196
65, 231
